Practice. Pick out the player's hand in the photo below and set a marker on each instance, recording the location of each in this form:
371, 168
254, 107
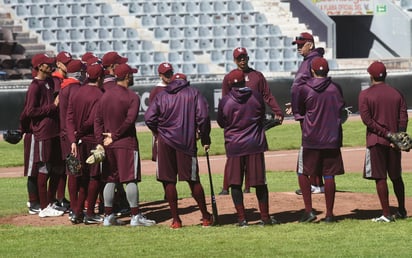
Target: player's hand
56, 101
74, 149
206, 148
107, 139
288, 109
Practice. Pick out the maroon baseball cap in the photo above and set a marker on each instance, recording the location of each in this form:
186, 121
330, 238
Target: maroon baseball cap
122, 70
87, 56
239, 51
75, 66
179, 76
95, 71
320, 64
303, 38
64, 57
235, 77
113, 57
377, 70
42, 59
164, 68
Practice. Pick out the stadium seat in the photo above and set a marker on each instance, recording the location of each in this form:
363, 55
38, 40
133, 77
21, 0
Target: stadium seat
62, 35
261, 54
262, 29
276, 53
105, 46
62, 22
105, 21
233, 19
233, 31
261, 66
233, 42
234, 6
260, 18
90, 34
219, 43
190, 32
247, 6
105, 8
191, 20
34, 23
132, 45
219, 7
176, 44
218, 19
118, 33
192, 7
78, 48
175, 33
206, 7
205, 19
7, 62
146, 57
203, 69
246, 19
159, 57
287, 41
118, 21
50, 11
47, 35
163, 7
205, 43
174, 57
149, 21
131, 34
276, 66
176, 20
22, 11
119, 45
77, 9
91, 46
76, 35
248, 42
36, 10
135, 8
160, 33
162, 21
177, 7
262, 42
63, 46
149, 7
205, 32
290, 66
188, 68
49, 23
147, 45
274, 30
217, 56
219, 31
23, 62
290, 53
90, 21
188, 56
275, 41
103, 33
247, 30
190, 43
76, 22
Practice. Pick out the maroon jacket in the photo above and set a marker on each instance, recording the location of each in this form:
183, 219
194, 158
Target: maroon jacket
81, 113
67, 88
41, 110
117, 113
241, 114
109, 82
383, 110
176, 114
256, 81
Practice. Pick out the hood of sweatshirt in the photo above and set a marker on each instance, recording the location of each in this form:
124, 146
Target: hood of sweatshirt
241, 95
177, 85
319, 84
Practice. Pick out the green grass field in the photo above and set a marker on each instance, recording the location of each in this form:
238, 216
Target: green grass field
348, 238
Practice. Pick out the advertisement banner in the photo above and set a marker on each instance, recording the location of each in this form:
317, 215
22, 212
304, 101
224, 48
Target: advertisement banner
346, 7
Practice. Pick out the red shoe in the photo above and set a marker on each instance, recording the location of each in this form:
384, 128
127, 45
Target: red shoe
176, 225
207, 222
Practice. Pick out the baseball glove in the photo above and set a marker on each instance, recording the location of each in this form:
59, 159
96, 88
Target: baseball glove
270, 122
97, 156
401, 140
12, 136
73, 164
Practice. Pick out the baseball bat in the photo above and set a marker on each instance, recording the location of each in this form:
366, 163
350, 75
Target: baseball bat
212, 193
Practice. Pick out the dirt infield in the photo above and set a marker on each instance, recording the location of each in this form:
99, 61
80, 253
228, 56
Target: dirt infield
284, 206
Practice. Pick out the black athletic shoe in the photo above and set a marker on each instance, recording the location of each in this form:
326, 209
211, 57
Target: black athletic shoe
224, 192
401, 215
95, 219
307, 217
330, 219
298, 192
247, 190
76, 219
242, 224
269, 222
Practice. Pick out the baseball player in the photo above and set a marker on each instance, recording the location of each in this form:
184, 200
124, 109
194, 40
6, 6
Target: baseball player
241, 113
176, 115
59, 75
114, 128
383, 110
255, 80
80, 132
306, 47
321, 105
42, 109
165, 71
109, 61
68, 87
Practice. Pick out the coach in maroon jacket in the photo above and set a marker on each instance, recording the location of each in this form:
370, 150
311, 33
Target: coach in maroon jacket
241, 113
320, 104
383, 110
176, 115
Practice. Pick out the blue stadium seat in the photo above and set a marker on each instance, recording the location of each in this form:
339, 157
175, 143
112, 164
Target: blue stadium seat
276, 66
77, 9
36, 10
234, 6
149, 7
275, 41
118, 33
50, 11
47, 35
233, 31
176, 20
260, 18
149, 21
188, 56
275, 30
131, 33
91, 46
261, 54
247, 6
248, 42
191, 43
218, 19
205, 32
261, 66
62, 22
132, 45
163, 7
233, 42
104, 33
188, 68
63, 46
176, 44
135, 8
191, 20
75, 22
203, 69
90, 34
62, 35
146, 57
290, 65
206, 7
262, 42
146, 70
177, 7
22, 11
205, 19
105, 8
160, 33
119, 45
132, 57
77, 48
190, 32
34, 23
219, 7
262, 29
175, 33
287, 41
162, 21
174, 57
276, 53
192, 7
247, 31
49, 23
105, 21
290, 53
75, 35
159, 57
217, 56
147, 45
219, 43
118, 21
90, 21
246, 19
233, 19
219, 31
205, 43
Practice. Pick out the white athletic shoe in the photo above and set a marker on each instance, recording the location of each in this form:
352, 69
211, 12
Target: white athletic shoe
111, 220
317, 189
383, 219
50, 212
141, 220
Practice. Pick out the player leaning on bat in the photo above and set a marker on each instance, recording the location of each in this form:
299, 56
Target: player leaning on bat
241, 113
384, 112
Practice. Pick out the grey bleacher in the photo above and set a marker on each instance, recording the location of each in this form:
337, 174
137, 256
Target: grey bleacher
198, 36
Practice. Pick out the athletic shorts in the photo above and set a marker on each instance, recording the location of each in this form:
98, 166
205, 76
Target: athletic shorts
382, 161
320, 162
83, 151
123, 165
47, 155
173, 164
30, 167
250, 166
66, 146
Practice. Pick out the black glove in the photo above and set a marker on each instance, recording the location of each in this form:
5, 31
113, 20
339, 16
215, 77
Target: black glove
12, 136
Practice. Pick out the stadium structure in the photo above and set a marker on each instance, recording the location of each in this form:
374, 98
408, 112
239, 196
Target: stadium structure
198, 38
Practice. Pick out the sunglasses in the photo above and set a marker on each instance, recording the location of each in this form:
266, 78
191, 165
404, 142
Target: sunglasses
302, 38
